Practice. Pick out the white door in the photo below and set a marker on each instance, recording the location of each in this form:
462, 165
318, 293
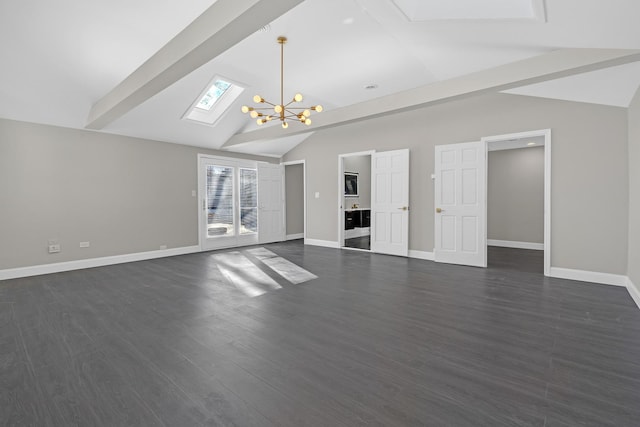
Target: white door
460, 203
271, 203
390, 202
228, 203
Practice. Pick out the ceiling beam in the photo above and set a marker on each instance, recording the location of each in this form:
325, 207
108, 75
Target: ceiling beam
549, 66
220, 27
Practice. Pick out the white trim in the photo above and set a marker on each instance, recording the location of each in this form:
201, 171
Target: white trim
295, 236
348, 248
634, 291
547, 201
429, 256
516, 245
36, 270
588, 276
547, 184
323, 243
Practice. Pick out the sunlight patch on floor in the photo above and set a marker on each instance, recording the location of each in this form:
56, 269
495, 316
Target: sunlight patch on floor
245, 275
283, 267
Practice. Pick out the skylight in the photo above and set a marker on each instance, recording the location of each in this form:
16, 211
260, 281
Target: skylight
214, 93
214, 101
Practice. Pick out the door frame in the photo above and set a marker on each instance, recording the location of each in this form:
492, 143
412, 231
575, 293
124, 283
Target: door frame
546, 133
341, 195
201, 199
304, 195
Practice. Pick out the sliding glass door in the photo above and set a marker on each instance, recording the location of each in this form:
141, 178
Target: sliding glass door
228, 191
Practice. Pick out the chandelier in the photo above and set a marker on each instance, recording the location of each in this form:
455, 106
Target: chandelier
282, 111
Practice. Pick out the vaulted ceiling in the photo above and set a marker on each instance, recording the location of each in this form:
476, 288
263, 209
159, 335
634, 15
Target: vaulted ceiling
69, 62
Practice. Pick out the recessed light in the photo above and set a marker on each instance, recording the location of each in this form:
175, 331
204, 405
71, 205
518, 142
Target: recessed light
348, 21
371, 87
531, 143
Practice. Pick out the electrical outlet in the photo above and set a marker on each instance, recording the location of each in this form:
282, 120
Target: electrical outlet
163, 246
54, 249
85, 244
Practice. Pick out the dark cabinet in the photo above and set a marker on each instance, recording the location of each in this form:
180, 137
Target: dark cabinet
357, 219
366, 218
348, 220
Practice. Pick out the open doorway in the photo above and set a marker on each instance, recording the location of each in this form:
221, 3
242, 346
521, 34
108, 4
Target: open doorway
355, 200
518, 201
295, 200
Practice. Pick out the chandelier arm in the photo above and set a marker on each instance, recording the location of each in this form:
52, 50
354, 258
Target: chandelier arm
294, 113
295, 117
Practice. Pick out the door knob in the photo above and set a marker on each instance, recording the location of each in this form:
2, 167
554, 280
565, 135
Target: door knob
438, 210
404, 208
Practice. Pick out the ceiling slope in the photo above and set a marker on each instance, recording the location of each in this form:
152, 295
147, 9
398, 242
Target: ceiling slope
220, 27
549, 66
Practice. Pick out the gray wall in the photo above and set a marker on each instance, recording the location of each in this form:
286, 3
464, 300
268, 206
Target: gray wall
124, 195
362, 165
294, 192
515, 195
589, 169
634, 191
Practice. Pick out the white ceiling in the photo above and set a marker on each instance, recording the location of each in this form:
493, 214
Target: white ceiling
429, 10
61, 57
527, 142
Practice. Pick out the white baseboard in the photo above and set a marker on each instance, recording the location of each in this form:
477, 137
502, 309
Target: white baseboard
588, 276
323, 243
357, 232
516, 245
37, 270
634, 291
421, 255
295, 236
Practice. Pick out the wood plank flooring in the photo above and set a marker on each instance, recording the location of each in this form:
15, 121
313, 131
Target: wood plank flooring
374, 340
362, 242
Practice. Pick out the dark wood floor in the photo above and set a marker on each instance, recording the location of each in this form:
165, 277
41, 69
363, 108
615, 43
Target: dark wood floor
362, 242
374, 340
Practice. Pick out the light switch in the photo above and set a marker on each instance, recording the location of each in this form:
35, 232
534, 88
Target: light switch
193, 193
317, 194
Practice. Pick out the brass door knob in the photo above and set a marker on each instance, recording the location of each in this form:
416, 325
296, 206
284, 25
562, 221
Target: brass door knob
404, 208
438, 210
